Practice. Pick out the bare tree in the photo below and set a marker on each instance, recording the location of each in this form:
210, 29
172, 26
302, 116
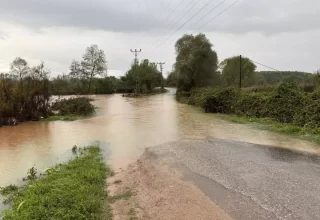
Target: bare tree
20, 68
94, 63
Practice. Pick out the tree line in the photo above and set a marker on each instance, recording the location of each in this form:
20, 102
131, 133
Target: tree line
197, 65
25, 91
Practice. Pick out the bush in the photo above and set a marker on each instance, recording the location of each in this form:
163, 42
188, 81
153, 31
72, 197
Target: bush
251, 105
285, 102
310, 115
222, 101
198, 96
74, 106
183, 96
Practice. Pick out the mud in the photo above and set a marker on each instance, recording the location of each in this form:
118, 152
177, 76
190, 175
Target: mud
159, 193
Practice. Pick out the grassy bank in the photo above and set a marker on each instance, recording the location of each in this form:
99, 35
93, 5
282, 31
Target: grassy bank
271, 125
74, 190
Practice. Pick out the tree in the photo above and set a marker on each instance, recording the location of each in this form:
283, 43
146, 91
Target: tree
19, 67
196, 62
172, 79
93, 64
231, 71
145, 74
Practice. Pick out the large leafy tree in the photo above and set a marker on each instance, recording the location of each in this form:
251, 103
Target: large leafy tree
196, 63
94, 64
231, 71
145, 74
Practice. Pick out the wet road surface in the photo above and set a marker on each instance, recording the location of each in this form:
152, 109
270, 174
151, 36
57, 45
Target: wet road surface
249, 181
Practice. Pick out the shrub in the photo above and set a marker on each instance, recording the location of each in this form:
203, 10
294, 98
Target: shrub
183, 96
198, 96
310, 114
222, 101
74, 106
285, 102
251, 105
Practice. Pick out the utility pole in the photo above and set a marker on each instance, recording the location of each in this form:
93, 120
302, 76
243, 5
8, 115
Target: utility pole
161, 69
240, 71
136, 53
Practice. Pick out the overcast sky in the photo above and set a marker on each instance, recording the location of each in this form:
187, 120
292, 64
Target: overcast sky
283, 34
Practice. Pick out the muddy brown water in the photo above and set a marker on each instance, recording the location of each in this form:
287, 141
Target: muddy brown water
124, 127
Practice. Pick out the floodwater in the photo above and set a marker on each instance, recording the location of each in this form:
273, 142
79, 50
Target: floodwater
124, 127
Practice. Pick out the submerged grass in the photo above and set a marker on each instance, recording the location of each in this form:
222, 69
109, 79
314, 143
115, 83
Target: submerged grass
308, 134
74, 190
65, 118
153, 92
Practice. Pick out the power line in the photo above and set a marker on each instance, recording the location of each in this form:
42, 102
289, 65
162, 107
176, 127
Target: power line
171, 14
155, 21
174, 10
183, 15
203, 17
217, 16
184, 24
264, 65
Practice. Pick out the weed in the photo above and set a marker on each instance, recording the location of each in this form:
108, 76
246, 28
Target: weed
126, 195
8, 189
74, 149
117, 181
31, 175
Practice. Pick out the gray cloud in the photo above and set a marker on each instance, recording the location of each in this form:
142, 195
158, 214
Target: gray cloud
272, 16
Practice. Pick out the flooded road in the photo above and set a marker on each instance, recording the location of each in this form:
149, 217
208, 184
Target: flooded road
124, 127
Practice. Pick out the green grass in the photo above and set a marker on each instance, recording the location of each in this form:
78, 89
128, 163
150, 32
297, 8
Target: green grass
309, 134
74, 190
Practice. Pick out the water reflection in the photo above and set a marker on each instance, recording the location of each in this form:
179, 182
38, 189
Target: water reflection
124, 127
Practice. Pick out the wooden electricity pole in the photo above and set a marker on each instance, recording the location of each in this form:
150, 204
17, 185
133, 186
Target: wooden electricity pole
240, 71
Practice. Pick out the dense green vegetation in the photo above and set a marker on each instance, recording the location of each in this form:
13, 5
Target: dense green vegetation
196, 63
74, 190
230, 72
289, 101
143, 76
197, 66
287, 104
67, 85
73, 108
24, 94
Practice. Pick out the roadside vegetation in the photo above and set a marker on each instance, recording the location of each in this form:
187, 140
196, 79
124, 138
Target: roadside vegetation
287, 102
74, 190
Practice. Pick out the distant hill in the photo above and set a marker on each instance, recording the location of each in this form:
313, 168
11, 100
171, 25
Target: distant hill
274, 77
